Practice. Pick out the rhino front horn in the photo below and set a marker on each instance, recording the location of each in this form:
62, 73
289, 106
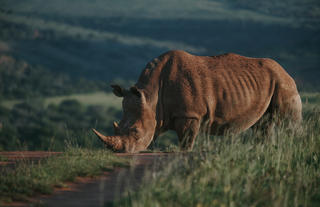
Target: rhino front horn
115, 142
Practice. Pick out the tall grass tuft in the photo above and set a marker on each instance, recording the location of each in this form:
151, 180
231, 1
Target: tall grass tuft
241, 170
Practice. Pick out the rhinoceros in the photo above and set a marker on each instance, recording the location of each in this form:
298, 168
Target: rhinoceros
187, 93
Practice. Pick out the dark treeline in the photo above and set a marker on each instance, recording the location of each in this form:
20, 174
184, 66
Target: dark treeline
19, 80
32, 126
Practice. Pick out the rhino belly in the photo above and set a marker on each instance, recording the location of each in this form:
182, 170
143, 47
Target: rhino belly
236, 114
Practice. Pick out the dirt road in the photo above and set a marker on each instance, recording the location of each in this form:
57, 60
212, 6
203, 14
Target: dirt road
104, 190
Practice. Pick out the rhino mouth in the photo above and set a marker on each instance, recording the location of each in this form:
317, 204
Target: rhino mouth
115, 143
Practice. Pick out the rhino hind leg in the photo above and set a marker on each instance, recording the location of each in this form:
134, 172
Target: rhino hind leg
293, 108
286, 107
187, 130
265, 125
282, 111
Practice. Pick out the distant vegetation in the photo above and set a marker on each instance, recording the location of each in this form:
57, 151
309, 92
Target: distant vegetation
29, 121
19, 80
32, 126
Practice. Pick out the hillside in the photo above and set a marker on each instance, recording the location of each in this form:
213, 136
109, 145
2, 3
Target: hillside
20, 80
107, 40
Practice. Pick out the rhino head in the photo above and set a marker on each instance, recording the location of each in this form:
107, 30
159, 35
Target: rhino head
135, 131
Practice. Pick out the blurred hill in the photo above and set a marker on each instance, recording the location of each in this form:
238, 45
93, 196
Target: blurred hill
108, 40
20, 80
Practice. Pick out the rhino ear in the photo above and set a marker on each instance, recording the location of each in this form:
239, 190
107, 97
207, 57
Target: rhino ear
135, 91
118, 91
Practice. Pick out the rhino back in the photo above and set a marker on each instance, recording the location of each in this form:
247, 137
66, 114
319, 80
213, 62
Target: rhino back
225, 91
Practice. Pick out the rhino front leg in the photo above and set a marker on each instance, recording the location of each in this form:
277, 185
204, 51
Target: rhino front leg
187, 130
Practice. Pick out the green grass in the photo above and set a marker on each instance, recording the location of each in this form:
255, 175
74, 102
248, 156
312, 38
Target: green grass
3, 158
31, 178
9, 104
242, 170
310, 100
96, 98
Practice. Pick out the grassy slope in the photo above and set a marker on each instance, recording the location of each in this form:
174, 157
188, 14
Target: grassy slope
107, 39
88, 99
97, 98
29, 179
20, 80
244, 170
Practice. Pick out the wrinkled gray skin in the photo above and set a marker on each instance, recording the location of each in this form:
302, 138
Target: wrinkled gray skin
188, 94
